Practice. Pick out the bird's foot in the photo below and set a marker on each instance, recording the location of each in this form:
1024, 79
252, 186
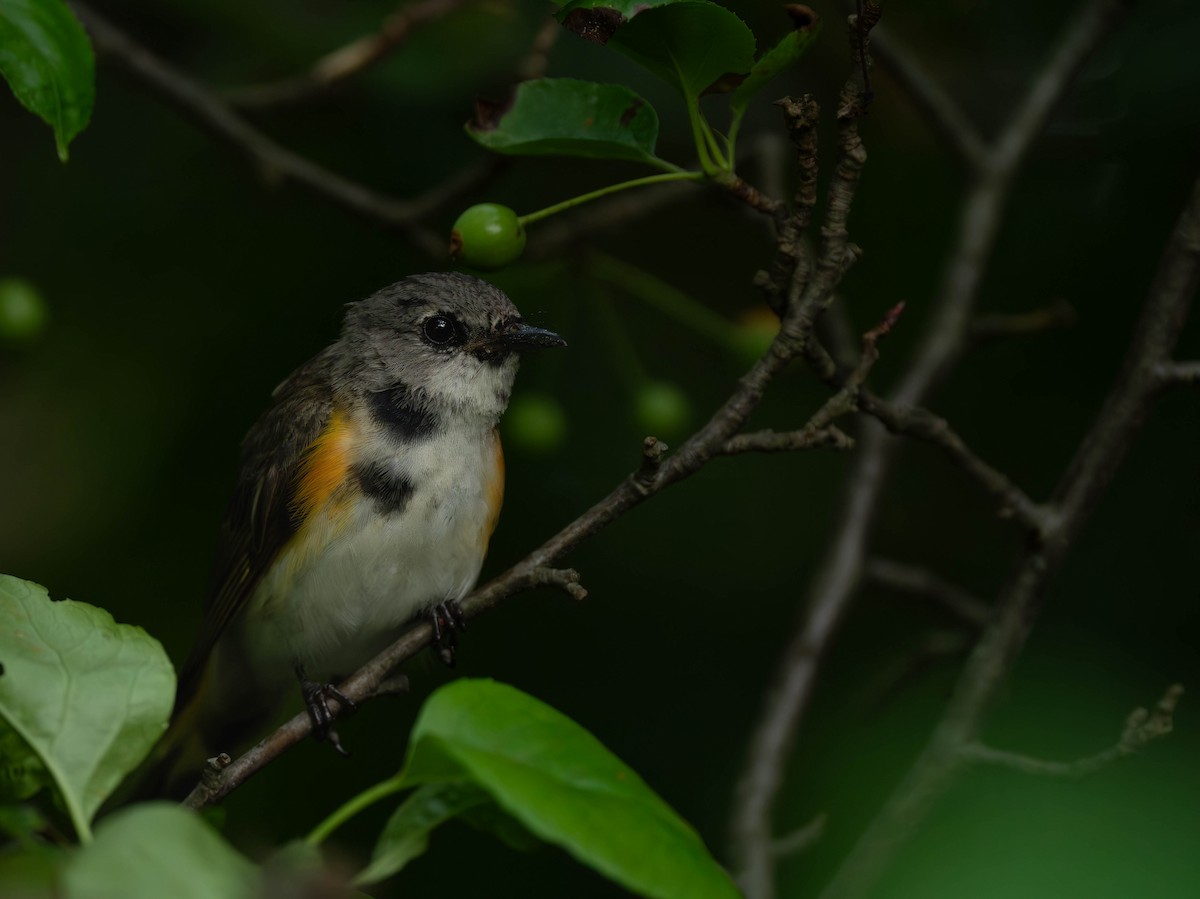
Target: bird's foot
447, 620
316, 701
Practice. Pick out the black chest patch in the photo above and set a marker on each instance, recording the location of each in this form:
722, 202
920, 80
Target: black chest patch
395, 409
389, 490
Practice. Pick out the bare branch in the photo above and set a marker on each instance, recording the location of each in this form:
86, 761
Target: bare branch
273, 161
347, 60
801, 838
1179, 374
1059, 314
1141, 727
924, 425
788, 441
1100, 453
913, 580
942, 113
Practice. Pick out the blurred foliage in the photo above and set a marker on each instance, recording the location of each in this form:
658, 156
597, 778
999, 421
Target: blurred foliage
181, 290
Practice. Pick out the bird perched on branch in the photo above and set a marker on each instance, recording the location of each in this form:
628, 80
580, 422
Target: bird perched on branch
365, 497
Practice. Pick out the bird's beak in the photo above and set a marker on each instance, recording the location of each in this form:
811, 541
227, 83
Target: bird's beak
520, 337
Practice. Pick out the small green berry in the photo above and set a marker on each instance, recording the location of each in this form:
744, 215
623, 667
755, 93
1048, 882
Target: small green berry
535, 423
487, 236
662, 409
22, 310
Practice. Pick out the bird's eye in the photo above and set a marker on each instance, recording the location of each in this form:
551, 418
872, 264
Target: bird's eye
440, 330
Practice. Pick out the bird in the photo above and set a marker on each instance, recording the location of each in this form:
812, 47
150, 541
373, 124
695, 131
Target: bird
365, 498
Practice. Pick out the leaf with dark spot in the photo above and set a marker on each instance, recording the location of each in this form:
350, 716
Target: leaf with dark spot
596, 25
631, 112
488, 113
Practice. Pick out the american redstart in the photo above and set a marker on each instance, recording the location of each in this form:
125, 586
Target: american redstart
365, 497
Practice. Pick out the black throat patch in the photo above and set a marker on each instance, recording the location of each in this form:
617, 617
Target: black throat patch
395, 409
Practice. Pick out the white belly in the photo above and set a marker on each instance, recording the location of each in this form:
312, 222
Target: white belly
356, 576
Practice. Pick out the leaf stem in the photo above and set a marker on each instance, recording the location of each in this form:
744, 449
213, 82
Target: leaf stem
353, 806
532, 217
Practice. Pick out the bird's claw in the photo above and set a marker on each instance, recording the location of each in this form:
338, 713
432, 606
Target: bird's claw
447, 619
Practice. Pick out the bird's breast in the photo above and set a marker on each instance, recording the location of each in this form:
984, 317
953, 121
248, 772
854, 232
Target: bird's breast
407, 528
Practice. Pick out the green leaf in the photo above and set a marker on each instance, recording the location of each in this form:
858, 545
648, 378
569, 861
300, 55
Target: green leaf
87, 695
693, 44
47, 60
157, 849
782, 56
563, 785
563, 116
406, 834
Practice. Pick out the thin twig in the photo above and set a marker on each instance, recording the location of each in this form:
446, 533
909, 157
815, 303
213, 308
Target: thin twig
913, 580
788, 441
924, 425
937, 107
1179, 374
350, 59
1087, 477
1059, 314
801, 838
1143, 726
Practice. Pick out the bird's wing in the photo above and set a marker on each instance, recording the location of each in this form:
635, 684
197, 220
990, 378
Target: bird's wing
261, 517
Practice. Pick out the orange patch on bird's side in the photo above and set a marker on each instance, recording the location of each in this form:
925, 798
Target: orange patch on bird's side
494, 491
325, 467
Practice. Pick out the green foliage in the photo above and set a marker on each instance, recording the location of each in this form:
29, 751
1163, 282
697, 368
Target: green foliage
697, 46
487, 236
47, 60
86, 696
691, 44
568, 117
157, 849
662, 409
535, 423
480, 744
22, 310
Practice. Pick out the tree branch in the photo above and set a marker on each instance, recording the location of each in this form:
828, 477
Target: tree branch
939, 109
1100, 452
1179, 374
833, 585
1059, 314
345, 61
913, 580
788, 441
1141, 727
273, 161
924, 425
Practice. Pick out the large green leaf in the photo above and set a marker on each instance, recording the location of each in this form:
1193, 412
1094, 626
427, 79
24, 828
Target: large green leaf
47, 60
782, 56
87, 695
563, 785
693, 44
567, 117
155, 850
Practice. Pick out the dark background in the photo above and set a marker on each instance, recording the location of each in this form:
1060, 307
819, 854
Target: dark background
181, 291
